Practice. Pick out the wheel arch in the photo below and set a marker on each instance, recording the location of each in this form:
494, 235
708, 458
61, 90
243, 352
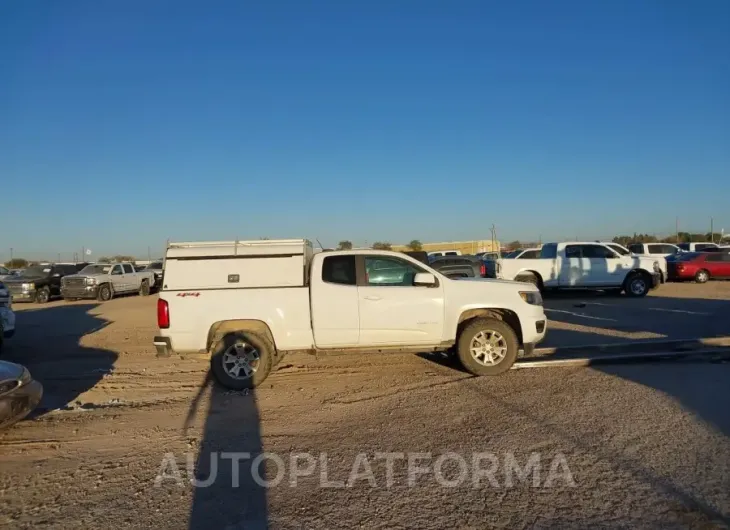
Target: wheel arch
536, 274
223, 327
506, 315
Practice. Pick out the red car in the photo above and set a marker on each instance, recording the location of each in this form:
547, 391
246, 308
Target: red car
699, 266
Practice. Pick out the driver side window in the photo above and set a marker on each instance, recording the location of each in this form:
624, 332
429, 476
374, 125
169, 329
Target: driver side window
117, 270
389, 272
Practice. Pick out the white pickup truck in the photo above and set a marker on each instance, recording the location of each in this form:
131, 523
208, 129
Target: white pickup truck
585, 265
249, 302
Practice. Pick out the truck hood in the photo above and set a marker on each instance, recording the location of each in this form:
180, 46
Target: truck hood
84, 275
23, 279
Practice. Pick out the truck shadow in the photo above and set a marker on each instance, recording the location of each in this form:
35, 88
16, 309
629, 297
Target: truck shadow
697, 385
47, 342
231, 492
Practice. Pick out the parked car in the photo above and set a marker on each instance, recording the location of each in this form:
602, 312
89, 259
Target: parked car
585, 265
19, 393
456, 267
250, 302
700, 266
7, 317
102, 281
441, 253
654, 249
5, 273
697, 247
487, 255
156, 268
40, 283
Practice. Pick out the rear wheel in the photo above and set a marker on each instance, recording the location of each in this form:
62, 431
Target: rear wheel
144, 289
242, 360
529, 278
702, 276
637, 284
43, 295
487, 346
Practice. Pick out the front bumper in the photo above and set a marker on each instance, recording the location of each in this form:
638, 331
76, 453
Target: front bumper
23, 296
87, 291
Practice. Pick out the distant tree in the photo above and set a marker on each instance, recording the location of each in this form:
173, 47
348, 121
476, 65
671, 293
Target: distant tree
104, 259
379, 245
514, 245
415, 245
344, 245
119, 258
16, 263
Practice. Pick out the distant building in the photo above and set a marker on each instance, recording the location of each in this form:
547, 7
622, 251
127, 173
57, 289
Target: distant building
466, 247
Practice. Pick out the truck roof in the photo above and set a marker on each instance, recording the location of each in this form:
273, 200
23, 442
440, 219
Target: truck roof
269, 247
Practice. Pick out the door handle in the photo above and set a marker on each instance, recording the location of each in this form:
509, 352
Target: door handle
373, 298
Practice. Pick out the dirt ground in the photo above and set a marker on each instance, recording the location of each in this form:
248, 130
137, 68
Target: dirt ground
639, 445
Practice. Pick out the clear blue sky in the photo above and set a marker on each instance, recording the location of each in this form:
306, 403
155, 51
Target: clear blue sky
123, 124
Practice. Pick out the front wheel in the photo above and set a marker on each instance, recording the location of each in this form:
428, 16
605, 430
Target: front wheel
487, 346
43, 295
144, 289
637, 285
242, 360
105, 293
702, 276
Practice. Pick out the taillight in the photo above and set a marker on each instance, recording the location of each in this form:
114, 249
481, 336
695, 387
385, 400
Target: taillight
163, 314
483, 270
680, 267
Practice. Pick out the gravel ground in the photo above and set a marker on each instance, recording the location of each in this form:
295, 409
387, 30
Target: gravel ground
642, 445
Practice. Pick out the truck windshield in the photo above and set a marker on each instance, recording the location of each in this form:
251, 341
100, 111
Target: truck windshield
620, 250
96, 269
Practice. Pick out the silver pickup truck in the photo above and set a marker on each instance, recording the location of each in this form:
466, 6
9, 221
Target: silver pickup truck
103, 281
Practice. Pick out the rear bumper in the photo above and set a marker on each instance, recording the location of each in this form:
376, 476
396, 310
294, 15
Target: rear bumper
163, 345
88, 291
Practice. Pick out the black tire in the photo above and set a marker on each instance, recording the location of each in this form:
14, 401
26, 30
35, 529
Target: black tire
637, 284
702, 276
105, 293
469, 333
529, 278
144, 289
43, 296
220, 365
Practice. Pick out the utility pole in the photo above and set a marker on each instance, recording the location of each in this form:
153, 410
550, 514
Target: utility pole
712, 230
11, 256
59, 258
676, 228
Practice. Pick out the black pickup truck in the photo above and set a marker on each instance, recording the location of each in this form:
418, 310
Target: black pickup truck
40, 283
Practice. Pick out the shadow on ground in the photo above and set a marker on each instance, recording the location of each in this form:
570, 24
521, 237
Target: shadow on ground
47, 342
229, 495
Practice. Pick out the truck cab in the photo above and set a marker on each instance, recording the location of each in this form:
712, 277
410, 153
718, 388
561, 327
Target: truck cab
284, 298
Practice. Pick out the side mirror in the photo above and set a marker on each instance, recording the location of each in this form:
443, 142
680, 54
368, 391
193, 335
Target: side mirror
424, 279
57, 275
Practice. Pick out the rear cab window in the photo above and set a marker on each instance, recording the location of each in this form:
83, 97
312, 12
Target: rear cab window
128, 268
549, 251
339, 270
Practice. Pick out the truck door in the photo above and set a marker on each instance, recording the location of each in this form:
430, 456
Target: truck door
131, 280
117, 279
334, 304
581, 267
393, 310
